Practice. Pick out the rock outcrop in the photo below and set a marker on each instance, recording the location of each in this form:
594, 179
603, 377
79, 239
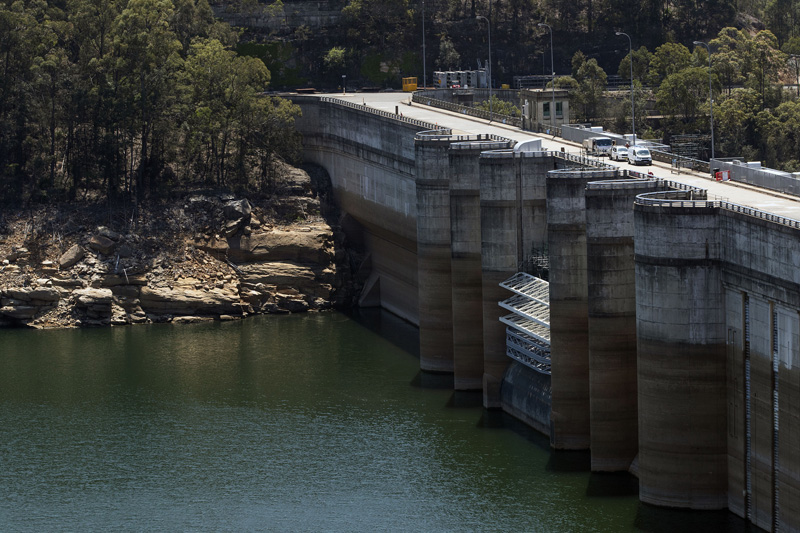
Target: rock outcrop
209, 257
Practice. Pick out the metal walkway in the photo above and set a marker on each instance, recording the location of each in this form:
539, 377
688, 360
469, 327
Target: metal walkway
528, 324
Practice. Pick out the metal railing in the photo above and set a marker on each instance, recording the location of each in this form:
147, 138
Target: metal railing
679, 161
423, 125
670, 199
466, 110
467, 140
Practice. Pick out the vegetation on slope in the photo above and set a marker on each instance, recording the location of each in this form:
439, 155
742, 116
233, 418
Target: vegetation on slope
125, 99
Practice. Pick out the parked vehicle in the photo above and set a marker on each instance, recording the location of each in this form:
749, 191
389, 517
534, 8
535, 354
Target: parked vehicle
598, 146
639, 155
618, 153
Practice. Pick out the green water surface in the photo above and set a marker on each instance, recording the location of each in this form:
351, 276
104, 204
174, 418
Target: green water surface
317, 422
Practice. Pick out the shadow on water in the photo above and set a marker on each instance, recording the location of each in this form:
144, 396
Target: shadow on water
465, 399
496, 419
394, 329
433, 381
612, 485
662, 520
569, 461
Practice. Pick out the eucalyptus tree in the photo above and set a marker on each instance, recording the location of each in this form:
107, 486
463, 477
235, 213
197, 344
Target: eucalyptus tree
149, 60
668, 59
680, 96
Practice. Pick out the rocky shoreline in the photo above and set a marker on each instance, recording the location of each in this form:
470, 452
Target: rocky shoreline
203, 257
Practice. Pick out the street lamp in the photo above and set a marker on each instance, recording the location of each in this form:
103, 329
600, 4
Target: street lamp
553, 83
633, 107
489, 72
710, 94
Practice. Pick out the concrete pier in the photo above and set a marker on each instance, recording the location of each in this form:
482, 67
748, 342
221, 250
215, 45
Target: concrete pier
614, 435
569, 344
513, 223
681, 361
465, 229
433, 252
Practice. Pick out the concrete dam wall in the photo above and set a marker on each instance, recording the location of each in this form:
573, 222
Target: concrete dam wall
673, 320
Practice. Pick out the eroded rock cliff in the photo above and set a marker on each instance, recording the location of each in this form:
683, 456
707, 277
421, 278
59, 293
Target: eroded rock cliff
204, 256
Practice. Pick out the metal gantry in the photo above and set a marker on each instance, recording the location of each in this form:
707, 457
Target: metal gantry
528, 324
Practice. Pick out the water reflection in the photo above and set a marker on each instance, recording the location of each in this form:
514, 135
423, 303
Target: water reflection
293, 423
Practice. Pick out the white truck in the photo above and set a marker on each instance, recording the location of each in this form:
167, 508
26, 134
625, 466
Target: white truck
597, 146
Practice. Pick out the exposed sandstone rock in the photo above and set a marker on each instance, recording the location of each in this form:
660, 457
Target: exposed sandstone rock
113, 280
19, 312
40, 296
312, 246
237, 210
186, 300
108, 233
102, 244
191, 319
18, 254
96, 305
280, 275
212, 257
87, 297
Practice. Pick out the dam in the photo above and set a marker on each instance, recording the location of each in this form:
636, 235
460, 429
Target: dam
668, 342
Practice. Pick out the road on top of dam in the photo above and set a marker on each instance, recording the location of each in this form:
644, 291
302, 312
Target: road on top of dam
738, 193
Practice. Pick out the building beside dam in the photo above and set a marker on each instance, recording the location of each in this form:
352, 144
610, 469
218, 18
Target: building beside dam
615, 311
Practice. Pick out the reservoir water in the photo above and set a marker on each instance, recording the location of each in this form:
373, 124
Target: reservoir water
318, 422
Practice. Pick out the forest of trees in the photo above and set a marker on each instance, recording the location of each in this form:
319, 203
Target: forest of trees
752, 46
131, 99
756, 117
124, 100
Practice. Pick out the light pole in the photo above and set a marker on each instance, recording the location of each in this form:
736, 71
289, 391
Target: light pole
553, 83
710, 94
424, 70
633, 107
489, 72
344, 86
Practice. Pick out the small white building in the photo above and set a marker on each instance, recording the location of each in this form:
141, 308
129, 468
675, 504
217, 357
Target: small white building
536, 107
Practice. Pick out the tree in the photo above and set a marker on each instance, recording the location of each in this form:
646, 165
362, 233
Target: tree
782, 17
149, 61
695, 19
779, 131
499, 106
679, 96
592, 81
449, 58
668, 59
728, 57
641, 63
734, 119
763, 62
224, 90
20, 37
334, 58
378, 24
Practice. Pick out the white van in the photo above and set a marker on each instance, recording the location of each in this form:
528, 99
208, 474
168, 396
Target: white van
639, 155
618, 153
